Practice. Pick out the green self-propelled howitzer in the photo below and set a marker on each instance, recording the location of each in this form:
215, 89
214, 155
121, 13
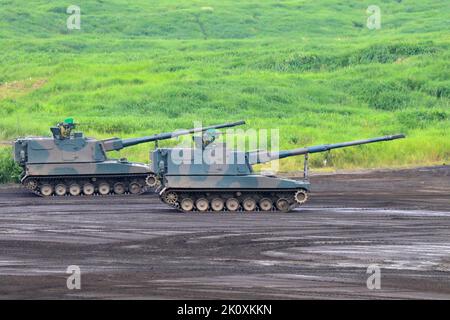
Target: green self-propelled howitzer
68, 163
232, 185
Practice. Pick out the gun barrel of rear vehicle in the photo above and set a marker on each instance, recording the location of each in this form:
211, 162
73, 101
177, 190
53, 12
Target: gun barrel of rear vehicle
118, 144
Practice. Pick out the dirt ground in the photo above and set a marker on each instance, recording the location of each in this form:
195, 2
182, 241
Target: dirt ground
136, 247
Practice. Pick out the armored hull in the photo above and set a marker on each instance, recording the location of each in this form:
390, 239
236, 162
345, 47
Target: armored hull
232, 187
111, 177
234, 193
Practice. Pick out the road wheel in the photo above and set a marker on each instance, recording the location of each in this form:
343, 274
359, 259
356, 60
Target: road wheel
249, 204
134, 188
88, 189
217, 204
265, 204
187, 204
119, 188
202, 204
60, 189
282, 205
46, 190
75, 189
232, 204
104, 188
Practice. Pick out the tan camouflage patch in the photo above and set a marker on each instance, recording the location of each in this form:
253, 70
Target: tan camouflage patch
16, 89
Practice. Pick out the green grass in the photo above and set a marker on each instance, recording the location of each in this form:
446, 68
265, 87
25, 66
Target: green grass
310, 68
9, 171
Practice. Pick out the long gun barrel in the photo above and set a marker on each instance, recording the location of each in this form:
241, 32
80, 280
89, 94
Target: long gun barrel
117, 144
262, 157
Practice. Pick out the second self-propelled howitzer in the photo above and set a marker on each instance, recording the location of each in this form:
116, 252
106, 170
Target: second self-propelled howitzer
68, 163
224, 179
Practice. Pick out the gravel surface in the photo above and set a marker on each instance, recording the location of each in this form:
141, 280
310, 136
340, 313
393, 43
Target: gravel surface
136, 247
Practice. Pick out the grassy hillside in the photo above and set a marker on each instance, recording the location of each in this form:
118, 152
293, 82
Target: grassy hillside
310, 68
